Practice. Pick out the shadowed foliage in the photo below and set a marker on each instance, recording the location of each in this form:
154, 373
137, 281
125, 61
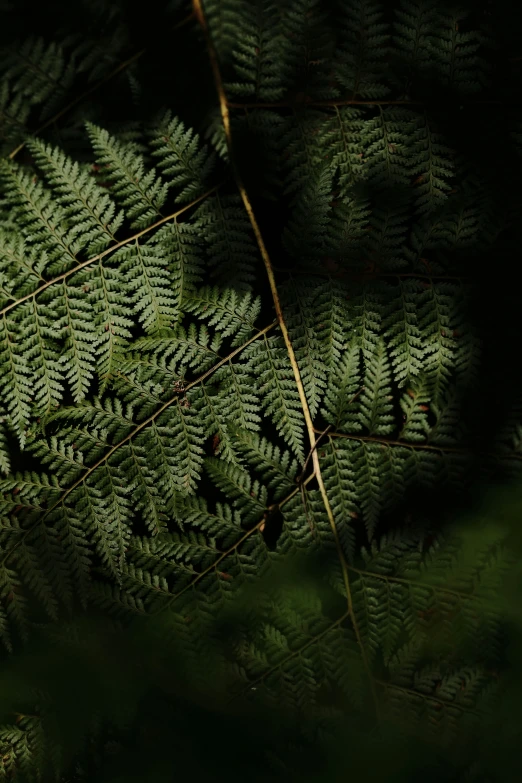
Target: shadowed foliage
258, 347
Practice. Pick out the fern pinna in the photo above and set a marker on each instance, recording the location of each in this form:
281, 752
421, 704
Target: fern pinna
195, 344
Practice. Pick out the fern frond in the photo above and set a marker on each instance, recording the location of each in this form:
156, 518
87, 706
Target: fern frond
365, 42
95, 217
269, 368
142, 194
256, 60
153, 413
183, 161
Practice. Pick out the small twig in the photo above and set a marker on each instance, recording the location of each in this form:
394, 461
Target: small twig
356, 395
339, 102
303, 496
300, 478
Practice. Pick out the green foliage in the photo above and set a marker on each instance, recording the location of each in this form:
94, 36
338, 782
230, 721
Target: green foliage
282, 643
164, 527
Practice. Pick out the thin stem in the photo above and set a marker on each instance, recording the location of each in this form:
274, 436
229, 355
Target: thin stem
284, 330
